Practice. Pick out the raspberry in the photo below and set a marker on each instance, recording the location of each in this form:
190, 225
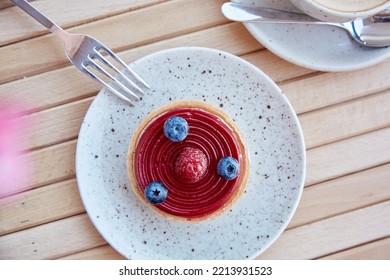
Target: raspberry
191, 165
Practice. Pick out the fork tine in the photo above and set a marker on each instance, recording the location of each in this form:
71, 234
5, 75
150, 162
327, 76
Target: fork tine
106, 62
103, 83
108, 75
119, 60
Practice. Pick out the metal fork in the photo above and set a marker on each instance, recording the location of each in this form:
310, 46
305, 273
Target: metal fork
86, 53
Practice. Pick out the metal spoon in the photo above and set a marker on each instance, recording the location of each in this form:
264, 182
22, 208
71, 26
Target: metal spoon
370, 32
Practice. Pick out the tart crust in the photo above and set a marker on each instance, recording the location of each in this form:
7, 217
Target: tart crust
241, 181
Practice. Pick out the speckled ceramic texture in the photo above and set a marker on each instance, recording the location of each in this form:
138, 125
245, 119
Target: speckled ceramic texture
323, 48
270, 128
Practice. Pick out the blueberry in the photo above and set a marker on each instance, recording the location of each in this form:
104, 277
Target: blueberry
228, 168
156, 192
176, 129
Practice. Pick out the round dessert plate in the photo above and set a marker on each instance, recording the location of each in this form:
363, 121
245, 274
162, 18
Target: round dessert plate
268, 124
322, 48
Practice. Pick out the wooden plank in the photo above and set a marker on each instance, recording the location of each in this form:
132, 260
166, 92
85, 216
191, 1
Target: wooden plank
56, 125
348, 119
318, 202
67, 84
7, 3
347, 156
342, 195
320, 127
49, 89
319, 91
57, 90
52, 240
56, 163
46, 166
53, 88
377, 250
75, 234
362, 195
157, 22
73, 12
68, 164
278, 69
40, 206
332, 235
105, 252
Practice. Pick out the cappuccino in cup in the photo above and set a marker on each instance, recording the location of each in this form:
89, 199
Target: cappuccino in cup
341, 10
350, 5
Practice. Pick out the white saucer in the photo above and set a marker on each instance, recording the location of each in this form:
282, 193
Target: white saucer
322, 48
270, 128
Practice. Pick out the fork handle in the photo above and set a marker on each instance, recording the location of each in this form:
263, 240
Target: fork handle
41, 18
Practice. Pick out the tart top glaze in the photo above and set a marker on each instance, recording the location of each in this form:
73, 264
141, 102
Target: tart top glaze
188, 168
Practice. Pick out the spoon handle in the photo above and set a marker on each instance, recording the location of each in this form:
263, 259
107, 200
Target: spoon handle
248, 13
372, 32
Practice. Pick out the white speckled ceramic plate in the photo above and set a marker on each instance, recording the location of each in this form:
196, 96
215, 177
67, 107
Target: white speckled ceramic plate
270, 128
321, 48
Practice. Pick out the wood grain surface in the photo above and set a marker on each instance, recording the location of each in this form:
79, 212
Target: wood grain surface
344, 212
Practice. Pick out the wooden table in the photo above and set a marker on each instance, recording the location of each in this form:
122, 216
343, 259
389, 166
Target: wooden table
345, 209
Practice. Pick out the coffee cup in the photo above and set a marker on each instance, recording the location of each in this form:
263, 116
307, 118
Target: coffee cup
341, 10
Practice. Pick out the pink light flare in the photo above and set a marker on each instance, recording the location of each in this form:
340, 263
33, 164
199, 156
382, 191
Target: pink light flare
13, 167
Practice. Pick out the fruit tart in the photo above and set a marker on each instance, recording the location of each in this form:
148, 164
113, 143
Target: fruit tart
187, 161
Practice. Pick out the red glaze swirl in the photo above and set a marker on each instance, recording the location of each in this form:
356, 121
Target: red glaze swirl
155, 156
